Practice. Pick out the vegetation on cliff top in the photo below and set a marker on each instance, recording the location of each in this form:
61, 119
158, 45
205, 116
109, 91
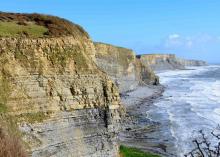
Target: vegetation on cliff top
37, 25
133, 152
13, 29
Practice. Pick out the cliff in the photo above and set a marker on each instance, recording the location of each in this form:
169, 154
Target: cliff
191, 62
123, 67
52, 89
167, 62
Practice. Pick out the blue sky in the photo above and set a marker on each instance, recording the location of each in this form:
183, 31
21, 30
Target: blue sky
188, 28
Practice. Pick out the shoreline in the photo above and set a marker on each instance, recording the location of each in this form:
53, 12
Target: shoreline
136, 125
142, 94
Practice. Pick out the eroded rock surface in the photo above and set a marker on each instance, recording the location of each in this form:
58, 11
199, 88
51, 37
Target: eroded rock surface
64, 105
123, 67
167, 62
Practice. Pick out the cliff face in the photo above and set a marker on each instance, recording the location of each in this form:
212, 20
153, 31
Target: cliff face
190, 62
167, 62
123, 67
63, 104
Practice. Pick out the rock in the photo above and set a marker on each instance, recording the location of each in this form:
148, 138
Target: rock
123, 67
167, 62
64, 104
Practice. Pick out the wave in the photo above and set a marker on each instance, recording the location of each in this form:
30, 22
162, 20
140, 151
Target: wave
190, 103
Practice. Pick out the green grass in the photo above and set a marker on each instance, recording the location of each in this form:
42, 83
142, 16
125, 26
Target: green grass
3, 108
12, 29
37, 117
62, 57
133, 152
5, 91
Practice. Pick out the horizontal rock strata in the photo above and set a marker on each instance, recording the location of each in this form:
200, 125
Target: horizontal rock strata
123, 67
63, 103
167, 61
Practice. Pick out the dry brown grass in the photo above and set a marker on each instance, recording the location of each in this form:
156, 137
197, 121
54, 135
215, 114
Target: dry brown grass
10, 146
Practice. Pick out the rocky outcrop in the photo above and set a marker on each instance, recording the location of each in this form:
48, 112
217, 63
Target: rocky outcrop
191, 62
167, 62
63, 104
123, 67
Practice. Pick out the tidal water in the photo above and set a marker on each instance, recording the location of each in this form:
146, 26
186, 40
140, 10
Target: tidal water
191, 102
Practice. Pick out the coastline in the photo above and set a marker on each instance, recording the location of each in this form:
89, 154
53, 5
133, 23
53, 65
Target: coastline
136, 125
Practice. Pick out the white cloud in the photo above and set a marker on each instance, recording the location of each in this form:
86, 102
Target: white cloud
173, 36
175, 40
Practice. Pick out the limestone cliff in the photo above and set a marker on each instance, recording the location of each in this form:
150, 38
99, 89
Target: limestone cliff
63, 104
123, 67
191, 62
167, 62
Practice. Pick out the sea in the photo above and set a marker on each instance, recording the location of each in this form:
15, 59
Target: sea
190, 103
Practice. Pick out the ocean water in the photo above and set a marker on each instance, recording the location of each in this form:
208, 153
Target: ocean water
191, 102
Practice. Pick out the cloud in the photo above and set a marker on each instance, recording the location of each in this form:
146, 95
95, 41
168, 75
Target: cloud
189, 42
173, 36
173, 40
176, 41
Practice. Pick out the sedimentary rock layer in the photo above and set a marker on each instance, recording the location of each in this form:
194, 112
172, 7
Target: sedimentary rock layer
167, 61
63, 104
123, 67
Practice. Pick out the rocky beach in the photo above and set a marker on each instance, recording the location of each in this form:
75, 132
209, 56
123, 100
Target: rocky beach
65, 95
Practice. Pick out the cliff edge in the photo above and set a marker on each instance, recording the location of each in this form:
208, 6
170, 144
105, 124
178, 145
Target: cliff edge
159, 62
52, 89
123, 67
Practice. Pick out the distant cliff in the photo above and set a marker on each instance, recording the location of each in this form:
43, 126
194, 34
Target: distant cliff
56, 85
50, 86
123, 67
167, 61
190, 62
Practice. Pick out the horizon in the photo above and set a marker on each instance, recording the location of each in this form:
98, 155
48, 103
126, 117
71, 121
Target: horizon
188, 29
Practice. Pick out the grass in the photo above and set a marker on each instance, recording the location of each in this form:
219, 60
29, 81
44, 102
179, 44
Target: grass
37, 117
60, 57
133, 152
55, 26
3, 108
13, 29
5, 91
11, 144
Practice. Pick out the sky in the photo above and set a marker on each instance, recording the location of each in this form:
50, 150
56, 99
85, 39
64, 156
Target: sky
187, 28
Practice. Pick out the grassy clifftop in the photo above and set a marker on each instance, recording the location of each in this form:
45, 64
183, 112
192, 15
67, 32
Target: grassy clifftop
37, 25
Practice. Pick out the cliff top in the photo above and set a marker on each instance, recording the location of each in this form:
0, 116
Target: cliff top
37, 25
156, 55
106, 44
